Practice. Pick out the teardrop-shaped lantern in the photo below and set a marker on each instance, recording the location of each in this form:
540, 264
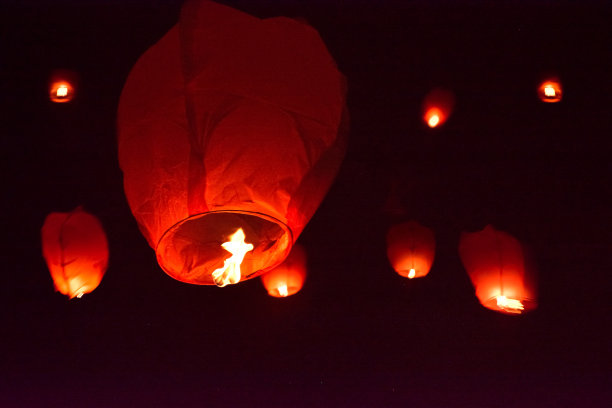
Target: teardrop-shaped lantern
229, 123
550, 91
437, 107
75, 248
288, 278
411, 248
495, 262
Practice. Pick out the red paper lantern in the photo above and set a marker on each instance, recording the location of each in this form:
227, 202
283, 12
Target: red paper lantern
76, 250
288, 278
229, 123
495, 262
62, 86
437, 107
411, 248
550, 91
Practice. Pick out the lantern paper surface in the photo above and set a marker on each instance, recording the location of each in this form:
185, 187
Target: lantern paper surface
437, 107
229, 122
75, 248
288, 278
411, 248
495, 262
550, 91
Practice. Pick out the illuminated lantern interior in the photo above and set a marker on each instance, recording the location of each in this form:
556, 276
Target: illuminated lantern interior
229, 123
61, 91
496, 265
437, 107
288, 278
550, 91
75, 248
411, 248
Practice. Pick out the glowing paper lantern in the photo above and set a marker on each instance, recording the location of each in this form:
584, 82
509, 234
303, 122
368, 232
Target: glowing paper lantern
76, 250
437, 107
495, 262
550, 91
411, 248
62, 86
229, 123
288, 278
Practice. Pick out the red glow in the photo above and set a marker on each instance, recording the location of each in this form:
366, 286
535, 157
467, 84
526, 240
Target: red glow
550, 91
61, 91
437, 107
288, 278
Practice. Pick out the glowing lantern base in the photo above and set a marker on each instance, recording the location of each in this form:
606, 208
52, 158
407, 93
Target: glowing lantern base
288, 278
202, 236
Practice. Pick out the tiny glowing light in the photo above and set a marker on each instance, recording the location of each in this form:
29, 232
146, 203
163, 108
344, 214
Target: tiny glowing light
61, 91
80, 295
433, 121
550, 91
411, 274
230, 272
283, 290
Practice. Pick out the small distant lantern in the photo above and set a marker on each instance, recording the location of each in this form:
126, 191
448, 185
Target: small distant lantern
75, 248
62, 86
437, 107
496, 264
411, 249
288, 278
550, 91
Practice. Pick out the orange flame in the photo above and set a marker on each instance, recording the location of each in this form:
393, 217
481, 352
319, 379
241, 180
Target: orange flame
230, 272
550, 91
509, 305
61, 91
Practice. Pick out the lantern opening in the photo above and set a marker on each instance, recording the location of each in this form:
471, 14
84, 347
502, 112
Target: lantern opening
195, 250
230, 272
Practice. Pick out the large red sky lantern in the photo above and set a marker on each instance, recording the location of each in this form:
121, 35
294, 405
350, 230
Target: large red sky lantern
231, 130
288, 278
411, 249
438, 105
496, 264
75, 248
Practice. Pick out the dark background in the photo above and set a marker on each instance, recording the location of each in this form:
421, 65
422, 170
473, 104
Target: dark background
357, 334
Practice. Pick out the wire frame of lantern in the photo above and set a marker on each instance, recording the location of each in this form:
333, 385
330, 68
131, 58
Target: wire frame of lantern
496, 264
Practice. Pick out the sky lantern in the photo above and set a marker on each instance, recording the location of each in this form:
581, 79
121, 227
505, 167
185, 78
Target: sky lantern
496, 264
288, 278
75, 248
411, 248
550, 90
62, 86
437, 107
231, 130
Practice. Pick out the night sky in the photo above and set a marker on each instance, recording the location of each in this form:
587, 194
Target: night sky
357, 334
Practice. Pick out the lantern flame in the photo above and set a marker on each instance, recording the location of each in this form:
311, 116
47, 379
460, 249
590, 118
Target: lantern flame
283, 290
230, 272
509, 305
433, 121
549, 91
62, 91
411, 273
